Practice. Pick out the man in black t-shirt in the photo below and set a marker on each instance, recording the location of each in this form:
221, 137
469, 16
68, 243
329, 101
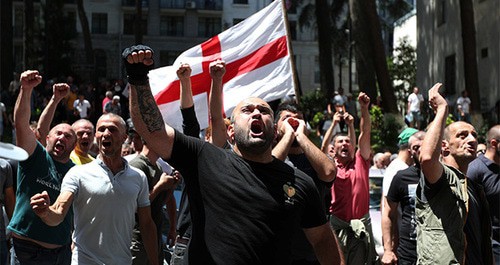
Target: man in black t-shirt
244, 203
402, 194
295, 148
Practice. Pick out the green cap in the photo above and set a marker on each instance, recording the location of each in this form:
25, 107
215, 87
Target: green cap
404, 136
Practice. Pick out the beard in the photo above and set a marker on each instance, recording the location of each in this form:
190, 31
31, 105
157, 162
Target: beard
248, 144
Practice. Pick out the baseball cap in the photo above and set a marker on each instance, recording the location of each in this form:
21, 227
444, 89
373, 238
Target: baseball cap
12, 152
116, 97
404, 136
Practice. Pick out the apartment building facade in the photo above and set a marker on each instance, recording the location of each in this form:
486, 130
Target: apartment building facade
170, 27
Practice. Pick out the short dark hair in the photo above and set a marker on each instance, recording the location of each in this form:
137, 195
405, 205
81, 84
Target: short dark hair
338, 135
287, 106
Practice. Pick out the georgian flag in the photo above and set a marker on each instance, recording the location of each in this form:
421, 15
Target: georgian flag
257, 65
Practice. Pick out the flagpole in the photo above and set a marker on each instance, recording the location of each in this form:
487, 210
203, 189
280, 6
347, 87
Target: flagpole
296, 85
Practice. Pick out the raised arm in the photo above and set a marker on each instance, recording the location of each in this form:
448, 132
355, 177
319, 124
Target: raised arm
219, 135
324, 167
365, 126
186, 95
282, 148
327, 138
51, 215
25, 138
431, 145
145, 114
59, 91
190, 125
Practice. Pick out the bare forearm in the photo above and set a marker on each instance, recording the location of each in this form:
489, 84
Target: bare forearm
387, 234
148, 121
324, 167
145, 113
172, 210
364, 135
46, 117
148, 233
216, 116
329, 252
430, 150
280, 151
327, 138
22, 110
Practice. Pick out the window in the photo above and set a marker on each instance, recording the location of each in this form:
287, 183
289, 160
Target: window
129, 22
101, 65
168, 57
99, 23
450, 75
71, 18
171, 26
441, 12
317, 77
484, 53
209, 26
18, 22
240, 2
293, 29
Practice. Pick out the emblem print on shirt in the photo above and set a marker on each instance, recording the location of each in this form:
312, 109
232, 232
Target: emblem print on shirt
289, 193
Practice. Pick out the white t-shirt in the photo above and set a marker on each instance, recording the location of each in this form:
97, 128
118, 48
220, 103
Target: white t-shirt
391, 170
465, 103
415, 101
82, 107
104, 207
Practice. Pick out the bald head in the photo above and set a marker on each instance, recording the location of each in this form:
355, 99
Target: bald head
252, 102
493, 134
454, 127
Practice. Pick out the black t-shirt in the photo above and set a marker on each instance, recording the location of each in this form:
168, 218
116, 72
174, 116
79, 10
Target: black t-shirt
403, 191
301, 249
242, 212
190, 127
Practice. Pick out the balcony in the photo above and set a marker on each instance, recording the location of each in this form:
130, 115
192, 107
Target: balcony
131, 3
191, 4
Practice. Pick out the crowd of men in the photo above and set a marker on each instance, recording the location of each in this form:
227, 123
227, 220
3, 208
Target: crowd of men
256, 190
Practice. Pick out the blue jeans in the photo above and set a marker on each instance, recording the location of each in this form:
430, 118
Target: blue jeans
29, 253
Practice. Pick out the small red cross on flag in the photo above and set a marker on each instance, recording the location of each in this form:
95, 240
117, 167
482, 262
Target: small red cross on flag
257, 65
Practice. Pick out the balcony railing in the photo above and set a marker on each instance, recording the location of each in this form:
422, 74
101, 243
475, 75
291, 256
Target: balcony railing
145, 3
192, 4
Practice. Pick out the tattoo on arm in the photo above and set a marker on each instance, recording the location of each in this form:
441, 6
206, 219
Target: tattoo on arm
148, 109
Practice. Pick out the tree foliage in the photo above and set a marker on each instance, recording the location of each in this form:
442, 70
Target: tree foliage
403, 71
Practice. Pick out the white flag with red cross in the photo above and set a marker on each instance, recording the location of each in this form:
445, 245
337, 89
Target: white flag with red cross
257, 65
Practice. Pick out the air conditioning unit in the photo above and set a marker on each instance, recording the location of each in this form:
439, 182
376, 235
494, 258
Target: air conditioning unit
190, 5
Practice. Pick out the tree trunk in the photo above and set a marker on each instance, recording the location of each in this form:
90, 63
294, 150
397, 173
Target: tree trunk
29, 56
87, 40
325, 48
362, 49
138, 21
469, 50
6, 50
389, 102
